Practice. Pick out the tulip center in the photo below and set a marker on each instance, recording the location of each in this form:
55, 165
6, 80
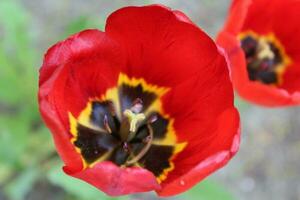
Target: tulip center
128, 127
265, 57
133, 122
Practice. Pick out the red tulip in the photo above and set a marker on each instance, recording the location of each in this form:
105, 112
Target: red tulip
145, 105
261, 38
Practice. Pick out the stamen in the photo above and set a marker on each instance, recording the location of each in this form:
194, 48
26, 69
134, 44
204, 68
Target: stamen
106, 125
145, 149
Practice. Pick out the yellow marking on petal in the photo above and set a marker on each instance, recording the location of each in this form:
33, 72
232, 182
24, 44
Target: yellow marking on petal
134, 82
170, 138
84, 117
73, 130
164, 174
73, 124
112, 95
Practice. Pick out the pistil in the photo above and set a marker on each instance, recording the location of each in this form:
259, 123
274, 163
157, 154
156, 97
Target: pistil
264, 50
132, 119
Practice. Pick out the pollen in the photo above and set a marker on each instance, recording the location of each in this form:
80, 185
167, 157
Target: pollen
264, 50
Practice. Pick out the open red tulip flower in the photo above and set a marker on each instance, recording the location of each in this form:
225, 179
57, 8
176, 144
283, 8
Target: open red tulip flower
262, 40
145, 105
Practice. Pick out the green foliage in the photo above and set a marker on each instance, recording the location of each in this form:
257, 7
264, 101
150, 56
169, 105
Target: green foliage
17, 57
208, 190
22, 184
24, 142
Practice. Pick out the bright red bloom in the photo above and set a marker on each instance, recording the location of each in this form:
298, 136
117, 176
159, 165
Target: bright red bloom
145, 105
262, 40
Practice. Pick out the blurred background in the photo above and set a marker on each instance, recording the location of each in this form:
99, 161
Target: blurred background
267, 166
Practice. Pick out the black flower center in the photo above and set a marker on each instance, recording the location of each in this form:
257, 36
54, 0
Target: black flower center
133, 130
265, 59
129, 130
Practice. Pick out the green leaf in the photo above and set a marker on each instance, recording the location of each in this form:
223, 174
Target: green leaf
13, 137
5, 172
9, 79
20, 186
18, 73
207, 190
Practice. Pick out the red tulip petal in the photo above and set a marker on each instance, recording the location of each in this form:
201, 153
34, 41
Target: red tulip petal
236, 16
259, 16
74, 70
291, 80
273, 20
116, 181
211, 86
182, 17
161, 44
195, 122
60, 136
224, 145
